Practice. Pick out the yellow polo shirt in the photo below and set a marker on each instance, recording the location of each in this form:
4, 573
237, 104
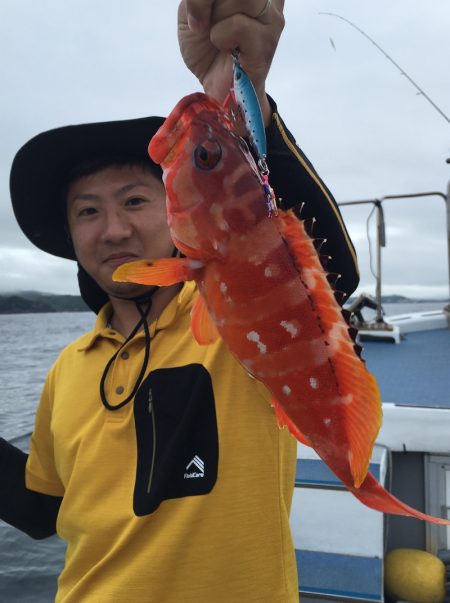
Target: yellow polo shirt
228, 545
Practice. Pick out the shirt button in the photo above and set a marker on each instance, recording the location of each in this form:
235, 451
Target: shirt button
124, 355
119, 390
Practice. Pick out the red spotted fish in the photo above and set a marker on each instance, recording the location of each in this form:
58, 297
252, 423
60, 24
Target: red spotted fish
264, 291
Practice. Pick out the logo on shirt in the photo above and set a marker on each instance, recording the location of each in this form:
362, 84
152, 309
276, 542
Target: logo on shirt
198, 464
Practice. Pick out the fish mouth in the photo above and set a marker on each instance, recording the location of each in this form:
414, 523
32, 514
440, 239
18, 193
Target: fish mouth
165, 142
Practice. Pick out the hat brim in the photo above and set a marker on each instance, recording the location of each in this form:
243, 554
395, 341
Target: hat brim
41, 167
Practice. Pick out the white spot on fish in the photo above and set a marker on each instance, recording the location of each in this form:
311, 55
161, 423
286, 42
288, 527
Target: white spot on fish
272, 270
218, 322
290, 327
254, 336
348, 399
337, 335
286, 390
223, 289
219, 246
195, 264
309, 278
313, 383
327, 422
216, 211
256, 260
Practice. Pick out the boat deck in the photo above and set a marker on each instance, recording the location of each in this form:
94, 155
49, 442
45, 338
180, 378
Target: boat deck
405, 371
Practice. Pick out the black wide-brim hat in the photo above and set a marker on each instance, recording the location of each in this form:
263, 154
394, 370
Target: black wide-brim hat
39, 175
42, 166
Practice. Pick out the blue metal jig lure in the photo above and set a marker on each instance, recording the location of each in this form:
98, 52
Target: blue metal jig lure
249, 106
250, 109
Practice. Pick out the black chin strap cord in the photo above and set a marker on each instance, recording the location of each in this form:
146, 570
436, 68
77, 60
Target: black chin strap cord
142, 322
140, 302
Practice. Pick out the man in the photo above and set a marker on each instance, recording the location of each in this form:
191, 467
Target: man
160, 459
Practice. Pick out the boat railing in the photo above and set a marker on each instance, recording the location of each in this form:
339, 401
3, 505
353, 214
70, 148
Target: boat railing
381, 237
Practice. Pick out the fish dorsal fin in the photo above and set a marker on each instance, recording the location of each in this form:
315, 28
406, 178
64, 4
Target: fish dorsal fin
161, 272
285, 421
203, 328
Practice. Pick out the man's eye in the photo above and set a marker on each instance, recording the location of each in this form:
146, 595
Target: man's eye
87, 211
134, 201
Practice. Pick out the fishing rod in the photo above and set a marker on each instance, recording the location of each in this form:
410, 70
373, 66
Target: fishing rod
402, 71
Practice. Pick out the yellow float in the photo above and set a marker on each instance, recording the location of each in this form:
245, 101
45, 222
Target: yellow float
415, 576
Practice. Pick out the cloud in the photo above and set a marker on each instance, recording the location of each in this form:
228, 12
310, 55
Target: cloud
357, 118
33, 270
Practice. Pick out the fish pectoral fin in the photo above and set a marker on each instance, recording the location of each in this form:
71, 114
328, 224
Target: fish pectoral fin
285, 421
161, 272
203, 327
193, 253
187, 250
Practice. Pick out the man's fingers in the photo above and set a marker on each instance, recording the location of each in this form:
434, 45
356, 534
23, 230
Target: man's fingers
198, 14
255, 9
256, 41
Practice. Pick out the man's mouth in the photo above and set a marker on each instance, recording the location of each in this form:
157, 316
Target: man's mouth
117, 259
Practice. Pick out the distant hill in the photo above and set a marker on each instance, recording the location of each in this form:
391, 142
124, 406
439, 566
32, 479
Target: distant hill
401, 299
26, 302
396, 299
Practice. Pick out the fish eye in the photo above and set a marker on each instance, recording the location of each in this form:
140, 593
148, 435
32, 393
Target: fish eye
207, 155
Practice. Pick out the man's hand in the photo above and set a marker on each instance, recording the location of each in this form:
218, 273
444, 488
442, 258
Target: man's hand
208, 30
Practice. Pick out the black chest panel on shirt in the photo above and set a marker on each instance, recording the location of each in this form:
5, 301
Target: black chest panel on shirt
177, 441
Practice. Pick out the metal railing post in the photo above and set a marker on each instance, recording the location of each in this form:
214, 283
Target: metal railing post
448, 240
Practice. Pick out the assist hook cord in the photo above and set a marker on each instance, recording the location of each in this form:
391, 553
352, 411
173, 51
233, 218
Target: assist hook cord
142, 322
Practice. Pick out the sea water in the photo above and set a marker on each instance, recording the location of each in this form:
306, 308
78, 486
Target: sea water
29, 344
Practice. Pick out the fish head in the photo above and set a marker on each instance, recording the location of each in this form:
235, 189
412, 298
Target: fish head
207, 170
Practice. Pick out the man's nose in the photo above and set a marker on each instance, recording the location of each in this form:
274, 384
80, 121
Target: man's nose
116, 226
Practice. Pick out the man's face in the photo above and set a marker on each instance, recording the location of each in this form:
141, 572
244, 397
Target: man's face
117, 215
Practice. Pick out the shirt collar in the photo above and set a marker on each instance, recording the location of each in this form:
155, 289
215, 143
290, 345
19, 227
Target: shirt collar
177, 305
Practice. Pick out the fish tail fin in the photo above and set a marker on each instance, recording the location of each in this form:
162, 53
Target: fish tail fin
373, 495
161, 272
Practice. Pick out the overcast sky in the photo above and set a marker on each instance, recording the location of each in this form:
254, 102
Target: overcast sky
361, 123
